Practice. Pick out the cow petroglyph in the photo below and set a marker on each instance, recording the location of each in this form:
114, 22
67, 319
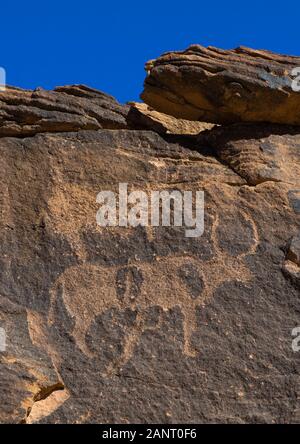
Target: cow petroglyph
182, 280
89, 290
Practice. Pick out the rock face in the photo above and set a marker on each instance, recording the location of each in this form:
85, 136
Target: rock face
70, 108
144, 324
142, 116
219, 86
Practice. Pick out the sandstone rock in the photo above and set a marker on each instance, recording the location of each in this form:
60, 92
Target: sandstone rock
69, 108
219, 86
259, 153
294, 250
27, 374
144, 324
291, 266
142, 116
130, 325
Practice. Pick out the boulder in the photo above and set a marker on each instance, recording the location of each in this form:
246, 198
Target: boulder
225, 86
69, 108
142, 116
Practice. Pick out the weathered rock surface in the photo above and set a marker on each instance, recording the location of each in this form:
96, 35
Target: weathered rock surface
291, 266
142, 116
294, 250
26, 370
219, 86
144, 324
69, 108
259, 153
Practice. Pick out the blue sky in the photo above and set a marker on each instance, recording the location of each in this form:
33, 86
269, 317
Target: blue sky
105, 44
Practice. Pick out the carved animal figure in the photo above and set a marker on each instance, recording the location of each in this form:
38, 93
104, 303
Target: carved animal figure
89, 290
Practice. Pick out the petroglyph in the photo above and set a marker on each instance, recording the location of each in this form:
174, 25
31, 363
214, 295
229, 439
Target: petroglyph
89, 290
182, 280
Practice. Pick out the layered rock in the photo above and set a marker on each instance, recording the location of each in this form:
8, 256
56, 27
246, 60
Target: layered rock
258, 153
124, 324
70, 108
142, 116
219, 86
